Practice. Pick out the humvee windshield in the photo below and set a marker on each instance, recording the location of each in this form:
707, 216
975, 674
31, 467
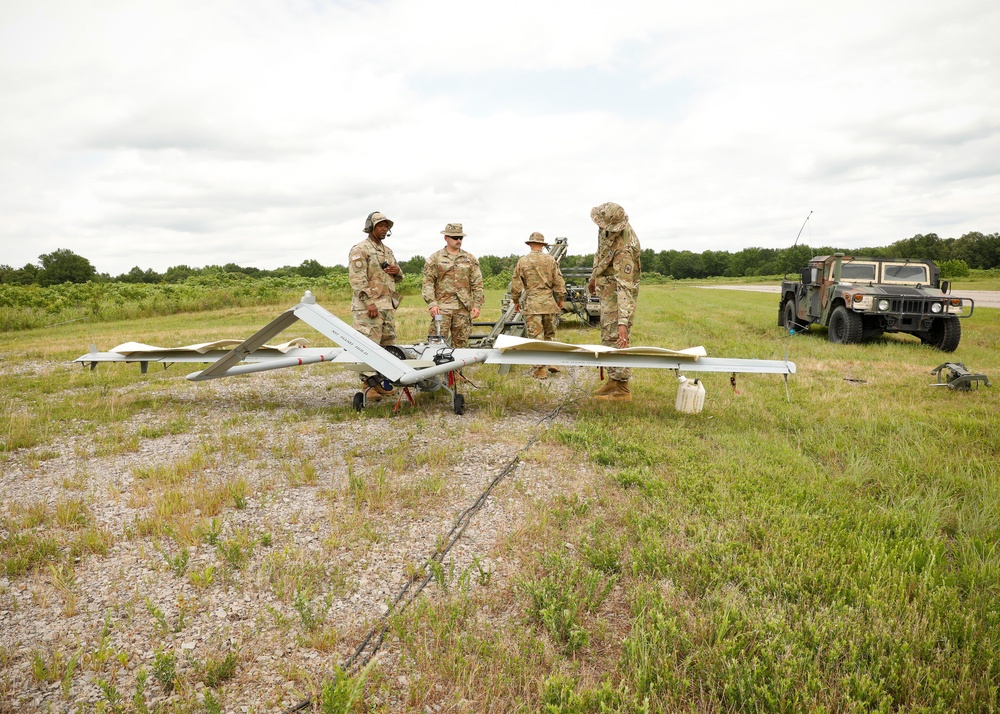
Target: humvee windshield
905, 273
860, 272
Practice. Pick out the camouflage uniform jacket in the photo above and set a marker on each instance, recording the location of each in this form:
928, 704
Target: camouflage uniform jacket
618, 259
453, 282
370, 283
537, 285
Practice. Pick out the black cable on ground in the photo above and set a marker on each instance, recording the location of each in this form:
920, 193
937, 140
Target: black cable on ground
372, 641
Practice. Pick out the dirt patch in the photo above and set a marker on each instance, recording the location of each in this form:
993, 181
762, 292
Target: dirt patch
324, 516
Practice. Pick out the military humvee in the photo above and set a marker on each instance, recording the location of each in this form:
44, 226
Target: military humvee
859, 298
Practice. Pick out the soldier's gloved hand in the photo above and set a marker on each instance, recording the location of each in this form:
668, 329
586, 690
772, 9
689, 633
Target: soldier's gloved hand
373, 310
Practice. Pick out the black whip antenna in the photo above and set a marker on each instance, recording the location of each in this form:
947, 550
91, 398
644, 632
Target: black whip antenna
801, 229
797, 241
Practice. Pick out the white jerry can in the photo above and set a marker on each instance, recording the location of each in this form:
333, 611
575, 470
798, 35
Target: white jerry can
690, 395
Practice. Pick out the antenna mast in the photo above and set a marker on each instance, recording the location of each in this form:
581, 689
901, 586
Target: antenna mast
801, 229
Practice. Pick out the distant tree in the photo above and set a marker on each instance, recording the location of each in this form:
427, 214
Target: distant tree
715, 262
311, 269
977, 250
28, 275
490, 265
650, 261
577, 261
179, 273
413, 266
919, 246
138, 275
64, 266
745, 262
248, 271
687, 265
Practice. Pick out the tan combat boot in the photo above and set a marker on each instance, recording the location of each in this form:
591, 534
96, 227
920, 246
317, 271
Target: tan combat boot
606, 388
391, 391
540, 373
619, 392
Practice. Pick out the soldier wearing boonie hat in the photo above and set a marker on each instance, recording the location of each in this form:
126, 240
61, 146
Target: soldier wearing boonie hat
453, 288
615, 279
538, 289
374, 276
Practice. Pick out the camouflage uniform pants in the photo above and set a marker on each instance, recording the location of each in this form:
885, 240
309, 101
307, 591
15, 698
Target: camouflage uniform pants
606, 290
540, 327
381, 329
456, 326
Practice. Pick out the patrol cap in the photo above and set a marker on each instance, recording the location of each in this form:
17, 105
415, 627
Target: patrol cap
374, 219
609, 216
453, 229
536, 237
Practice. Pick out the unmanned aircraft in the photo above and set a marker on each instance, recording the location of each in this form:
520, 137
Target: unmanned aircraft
428, 367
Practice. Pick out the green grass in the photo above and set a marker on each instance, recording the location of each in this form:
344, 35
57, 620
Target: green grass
836, 552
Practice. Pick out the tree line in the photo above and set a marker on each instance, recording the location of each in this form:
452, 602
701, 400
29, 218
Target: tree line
955, 256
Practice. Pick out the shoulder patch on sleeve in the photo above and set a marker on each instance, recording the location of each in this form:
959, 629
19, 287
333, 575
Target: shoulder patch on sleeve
358, 263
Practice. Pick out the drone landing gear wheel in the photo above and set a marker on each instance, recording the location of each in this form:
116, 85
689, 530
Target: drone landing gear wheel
358, 402
458, 404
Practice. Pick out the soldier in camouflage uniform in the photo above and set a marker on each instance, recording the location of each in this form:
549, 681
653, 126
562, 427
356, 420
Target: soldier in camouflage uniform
538, 289
615, 279
453, 288
374, 276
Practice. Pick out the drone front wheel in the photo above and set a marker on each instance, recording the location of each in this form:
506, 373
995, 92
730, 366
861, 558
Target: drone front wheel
458, 404
359, 401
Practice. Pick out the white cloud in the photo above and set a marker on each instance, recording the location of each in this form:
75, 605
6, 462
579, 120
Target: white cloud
262, 133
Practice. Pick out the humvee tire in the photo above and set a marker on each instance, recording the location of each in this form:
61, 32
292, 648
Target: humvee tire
845, 326
945, 334
791, 322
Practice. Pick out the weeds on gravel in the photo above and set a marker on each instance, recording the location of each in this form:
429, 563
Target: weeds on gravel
63, 579
340, 694
202, 579
237, 550
22, 552
292, 571
216, 670
165, 669
300, 473
20, 430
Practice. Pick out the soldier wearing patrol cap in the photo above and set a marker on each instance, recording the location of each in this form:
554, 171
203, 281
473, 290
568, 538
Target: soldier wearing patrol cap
374, 277
453, 288
538, 289
615, 279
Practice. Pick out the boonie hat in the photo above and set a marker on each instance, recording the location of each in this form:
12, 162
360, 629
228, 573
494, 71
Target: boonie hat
453, 229
609, 216
536, 237
374, 219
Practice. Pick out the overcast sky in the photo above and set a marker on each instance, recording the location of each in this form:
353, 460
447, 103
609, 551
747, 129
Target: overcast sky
263, 132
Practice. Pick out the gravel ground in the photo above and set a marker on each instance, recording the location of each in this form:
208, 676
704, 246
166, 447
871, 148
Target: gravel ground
119, 610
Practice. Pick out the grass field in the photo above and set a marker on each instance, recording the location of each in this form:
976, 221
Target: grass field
834, 552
